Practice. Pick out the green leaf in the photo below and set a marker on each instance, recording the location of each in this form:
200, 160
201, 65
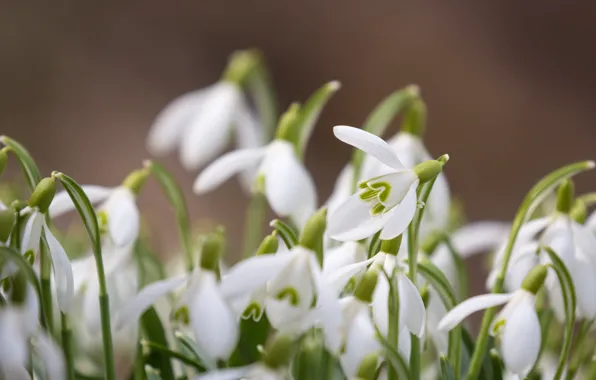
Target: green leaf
153, 331
158, 348
375, 245
176, 198
309, 113
23, 265
394, 359
252, 335
28, 165
570, 303
446, 369
287, 233
261, 87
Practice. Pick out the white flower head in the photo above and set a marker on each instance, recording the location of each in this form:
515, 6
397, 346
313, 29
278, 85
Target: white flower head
387, 202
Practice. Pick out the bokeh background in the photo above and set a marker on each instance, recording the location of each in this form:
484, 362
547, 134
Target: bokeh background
509, 85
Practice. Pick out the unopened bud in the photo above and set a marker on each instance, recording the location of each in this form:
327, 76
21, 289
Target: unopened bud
241, 65
428, 170
43, 194
414, 120
278, 352
565, 195
135, 180
269, 245
366, 287
312, 234
535, 279
211, 250
7, 219
368, 367
391, 247
287, 127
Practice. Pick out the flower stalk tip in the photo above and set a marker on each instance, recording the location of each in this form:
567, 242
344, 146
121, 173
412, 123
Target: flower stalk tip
241, 65
43, 194
366, 287
211, 249
428, 170
278, 352
565, 196
269, 245
392, 246
136, 179
535, 279
579, 212
7, 219
287, 126
312, 234
368, 367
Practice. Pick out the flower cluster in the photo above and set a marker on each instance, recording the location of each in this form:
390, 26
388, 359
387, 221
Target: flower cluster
369, 284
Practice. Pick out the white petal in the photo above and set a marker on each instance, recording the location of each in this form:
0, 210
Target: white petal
401, 216
342, 188
380, 307
249, 133
352, 221
369, 143
213, 322
123, 217
51, 355
405, 344
412, 310
520, 343
479, 237
62, 202
63, 276
347, 253
328, 309
13, 339
13, 371
288, 185
360, 342
252, 273
207, 133
470, 306
225, 167
439, 204
532, 227
584, 279
585, 240
146, 297
225, 374
339, 278
169, 126
32, 232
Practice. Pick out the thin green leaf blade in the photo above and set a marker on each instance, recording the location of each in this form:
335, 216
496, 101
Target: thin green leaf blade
310, 112
28, 165
153, 331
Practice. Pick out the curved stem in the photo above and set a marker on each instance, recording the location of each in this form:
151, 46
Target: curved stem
253, 225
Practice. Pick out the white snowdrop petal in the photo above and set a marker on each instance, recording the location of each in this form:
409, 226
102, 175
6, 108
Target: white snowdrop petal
213, 322
225, 374
207, 132
249, 131
360, 342
252, 273
225, 167
521, 339
585, 240
51, 356
368, 143
32, 232
414, 312
470, 306
131, 312
380, 308
168, 128
479, 237
584, 279
401, 216
342, 189
62, 203
339, 278
63, 277
439, 204
14, 371
405, 344
353, 221
345, 254
123, 217
328, 308
13, 339
289, 187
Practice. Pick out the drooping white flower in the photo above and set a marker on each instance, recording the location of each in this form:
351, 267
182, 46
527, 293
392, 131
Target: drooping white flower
387, 202
517, 324
288, 186
201, 122
117, 204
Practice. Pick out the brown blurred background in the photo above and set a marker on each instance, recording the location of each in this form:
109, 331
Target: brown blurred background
509, 85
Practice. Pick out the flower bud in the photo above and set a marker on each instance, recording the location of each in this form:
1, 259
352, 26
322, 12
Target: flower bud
43, 194
287, 126
135, 180
241, 65
535, 279
269, 245
366, 287
211, 250
391, 247
579, 212
428, 170
368, 367
278, 352
565, 195
425, 295
312, 234
7, 219
3, 160
414, 119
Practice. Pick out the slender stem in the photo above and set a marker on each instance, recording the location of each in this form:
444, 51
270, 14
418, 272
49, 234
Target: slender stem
393, 328
106, 331
581, 349
253, 230
173, 354
45, 264
67, 346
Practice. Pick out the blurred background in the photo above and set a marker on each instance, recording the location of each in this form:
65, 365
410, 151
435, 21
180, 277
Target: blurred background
509, 85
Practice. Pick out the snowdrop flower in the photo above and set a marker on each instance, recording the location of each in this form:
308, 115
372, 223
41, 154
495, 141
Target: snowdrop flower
121, 276
118, 209
211, 318
19, 328
200, 123
35, 227
517, 324
387, 202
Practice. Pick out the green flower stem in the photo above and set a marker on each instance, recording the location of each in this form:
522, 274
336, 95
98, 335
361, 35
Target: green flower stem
45, 264
393, 328
581, 351
255, 217
173, 354
532, 199
67, 346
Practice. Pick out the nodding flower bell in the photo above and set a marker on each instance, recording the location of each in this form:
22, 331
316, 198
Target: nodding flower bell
39, 203
387, 202
517, 324
200, 122
117, 210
